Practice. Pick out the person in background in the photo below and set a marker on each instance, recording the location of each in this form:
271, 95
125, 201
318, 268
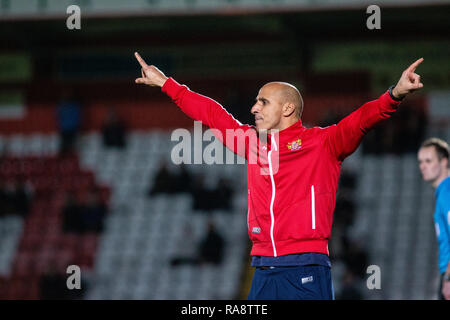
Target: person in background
72, 214
350, 289
5, 198
433, 157
212, 246
208, 250
69, 122
163, 181
93, 212
22, 197
183, 180
114, 130
52, 283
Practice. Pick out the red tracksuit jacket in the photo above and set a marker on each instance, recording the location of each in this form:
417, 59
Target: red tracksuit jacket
292, 184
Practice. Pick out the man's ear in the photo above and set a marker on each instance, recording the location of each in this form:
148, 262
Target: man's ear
445, 161
288, 109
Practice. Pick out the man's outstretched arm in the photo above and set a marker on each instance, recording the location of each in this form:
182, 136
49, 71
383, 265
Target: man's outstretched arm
345, 137
195, 105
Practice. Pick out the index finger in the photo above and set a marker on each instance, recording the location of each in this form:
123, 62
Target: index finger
140, 60
413, 67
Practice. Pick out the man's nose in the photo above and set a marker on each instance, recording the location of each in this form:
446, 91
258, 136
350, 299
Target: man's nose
255, 109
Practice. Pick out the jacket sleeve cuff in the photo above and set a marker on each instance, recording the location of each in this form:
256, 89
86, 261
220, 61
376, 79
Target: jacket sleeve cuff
171, 87
391, 94
390, 101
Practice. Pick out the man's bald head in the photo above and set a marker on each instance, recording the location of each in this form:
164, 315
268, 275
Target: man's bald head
287, 94
278, 106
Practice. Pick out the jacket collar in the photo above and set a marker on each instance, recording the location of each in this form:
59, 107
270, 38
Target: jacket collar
282, 135
290, 129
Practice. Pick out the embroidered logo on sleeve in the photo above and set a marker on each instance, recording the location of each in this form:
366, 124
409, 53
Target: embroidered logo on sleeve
256, 230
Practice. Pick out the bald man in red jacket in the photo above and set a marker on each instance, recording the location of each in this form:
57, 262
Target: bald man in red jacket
292, 176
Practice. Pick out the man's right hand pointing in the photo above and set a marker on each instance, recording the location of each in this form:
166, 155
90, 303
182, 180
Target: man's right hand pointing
151, 75
409, 81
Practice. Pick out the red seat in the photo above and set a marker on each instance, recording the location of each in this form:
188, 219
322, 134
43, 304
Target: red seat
23, 288
30, 242
45, 259
16, 290
68, 242
32, 292
23, 264
85, 261
37, 167
4, 284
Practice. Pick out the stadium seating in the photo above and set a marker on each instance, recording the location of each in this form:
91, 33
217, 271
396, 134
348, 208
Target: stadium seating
31, 245
130, 259
395, 222
142, 233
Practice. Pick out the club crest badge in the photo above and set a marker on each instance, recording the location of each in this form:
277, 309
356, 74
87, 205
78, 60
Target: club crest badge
294, 145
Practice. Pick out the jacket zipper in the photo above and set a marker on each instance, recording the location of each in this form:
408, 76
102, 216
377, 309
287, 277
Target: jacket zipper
313, 208
272, 217
248, 208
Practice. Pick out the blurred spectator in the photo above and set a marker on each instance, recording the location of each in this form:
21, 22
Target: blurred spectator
69, 122
212, 246
93, 213
5, 198
183, 180
223, 195
347, 179
203, 198
344, 212
52, 284
84, 216
356, 258
170, 183
209, 249
206, 199
114, 130
4, 151
350, 289
15, 197
164, 181
72, 215
22, 198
